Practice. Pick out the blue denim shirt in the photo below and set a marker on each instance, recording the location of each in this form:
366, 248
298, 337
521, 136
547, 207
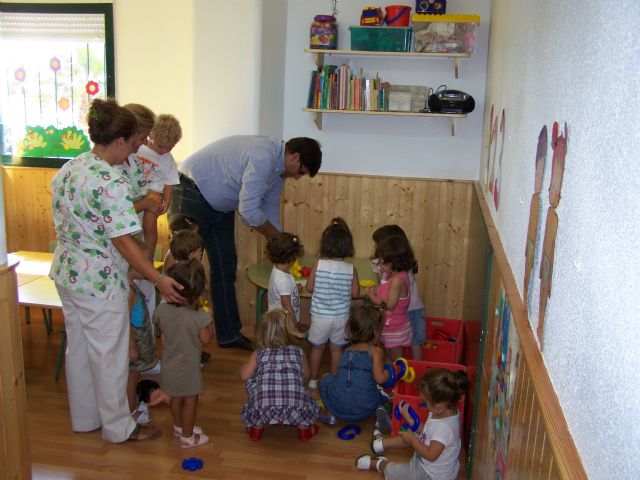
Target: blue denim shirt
242, 173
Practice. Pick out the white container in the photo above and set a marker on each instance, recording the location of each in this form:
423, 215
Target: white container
399, 101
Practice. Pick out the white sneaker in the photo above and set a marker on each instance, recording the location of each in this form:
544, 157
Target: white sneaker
155, 370
313, 384
144, 415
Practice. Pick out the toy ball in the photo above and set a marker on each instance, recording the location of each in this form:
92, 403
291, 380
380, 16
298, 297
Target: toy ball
192, 464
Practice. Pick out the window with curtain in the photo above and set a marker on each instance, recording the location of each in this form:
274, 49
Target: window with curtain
56, 58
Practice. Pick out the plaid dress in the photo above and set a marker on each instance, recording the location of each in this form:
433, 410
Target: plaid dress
276, 394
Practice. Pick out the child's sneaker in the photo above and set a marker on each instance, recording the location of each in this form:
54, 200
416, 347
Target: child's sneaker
327, 418
143, 416
383, 421
313, 384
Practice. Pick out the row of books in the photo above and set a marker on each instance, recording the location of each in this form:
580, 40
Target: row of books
338, 88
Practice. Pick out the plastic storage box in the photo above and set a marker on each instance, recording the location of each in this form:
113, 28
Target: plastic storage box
445, 33
410, 393
445, 341
381, 39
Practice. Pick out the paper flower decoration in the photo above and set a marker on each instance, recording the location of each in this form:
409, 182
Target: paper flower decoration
63, 103
92, 88
20, 74
54, 64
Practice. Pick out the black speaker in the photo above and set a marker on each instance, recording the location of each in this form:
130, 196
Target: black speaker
451, 101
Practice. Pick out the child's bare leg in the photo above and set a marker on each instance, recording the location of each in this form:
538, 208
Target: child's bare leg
416, 352
395, 353
132, 383
336, 355
176, 410
189, 408
150, 229
393, 442
314, 359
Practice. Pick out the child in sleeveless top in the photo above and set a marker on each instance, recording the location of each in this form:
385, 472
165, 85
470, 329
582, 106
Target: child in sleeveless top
393, 294
352, 394
415, 312
276, 373
333, 282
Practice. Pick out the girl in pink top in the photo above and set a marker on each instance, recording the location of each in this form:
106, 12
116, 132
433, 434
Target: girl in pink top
394, 294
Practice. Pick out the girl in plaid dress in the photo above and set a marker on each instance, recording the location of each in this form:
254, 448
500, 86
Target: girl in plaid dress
276, 374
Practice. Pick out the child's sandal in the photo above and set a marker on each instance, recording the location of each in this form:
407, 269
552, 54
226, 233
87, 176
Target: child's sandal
195, 440
376, 444
363, 462
305, 433
144, 433
177, 431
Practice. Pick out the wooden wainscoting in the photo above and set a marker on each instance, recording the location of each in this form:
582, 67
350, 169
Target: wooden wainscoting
441, 218
539, 443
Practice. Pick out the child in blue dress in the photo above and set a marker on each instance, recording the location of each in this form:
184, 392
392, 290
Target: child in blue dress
276, 374
352, 394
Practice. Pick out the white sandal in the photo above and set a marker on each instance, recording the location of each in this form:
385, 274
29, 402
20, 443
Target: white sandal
177, 431
363, 462
195, 440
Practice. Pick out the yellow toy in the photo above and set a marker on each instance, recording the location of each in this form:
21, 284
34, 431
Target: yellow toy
296, 269
367, 283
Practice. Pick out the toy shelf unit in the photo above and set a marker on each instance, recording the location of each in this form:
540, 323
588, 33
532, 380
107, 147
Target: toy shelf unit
456, 57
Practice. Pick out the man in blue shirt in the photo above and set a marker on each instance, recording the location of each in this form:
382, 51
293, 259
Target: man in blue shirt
243, 174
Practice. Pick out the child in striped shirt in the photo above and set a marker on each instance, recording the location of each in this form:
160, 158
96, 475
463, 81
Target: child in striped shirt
333, 282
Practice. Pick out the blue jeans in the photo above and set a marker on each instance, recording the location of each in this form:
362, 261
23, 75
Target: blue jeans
217, 232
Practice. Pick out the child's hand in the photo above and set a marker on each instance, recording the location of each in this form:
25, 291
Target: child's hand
408, 437
299, 287
404, 411
162, 209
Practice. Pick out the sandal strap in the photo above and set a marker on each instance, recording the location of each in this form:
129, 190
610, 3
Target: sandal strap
379, 461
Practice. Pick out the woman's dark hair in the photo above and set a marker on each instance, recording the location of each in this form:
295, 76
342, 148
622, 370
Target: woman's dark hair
444, 386
108, 121
184, 243
190, 275
397, 251
365, 322
309, 150
336, 240
387, 231
284, 247
180, 221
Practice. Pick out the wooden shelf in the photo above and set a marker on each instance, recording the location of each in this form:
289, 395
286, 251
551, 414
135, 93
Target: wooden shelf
317, 114
319, 54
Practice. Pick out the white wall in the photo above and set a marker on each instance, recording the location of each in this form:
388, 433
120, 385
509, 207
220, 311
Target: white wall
382, 145
561, 61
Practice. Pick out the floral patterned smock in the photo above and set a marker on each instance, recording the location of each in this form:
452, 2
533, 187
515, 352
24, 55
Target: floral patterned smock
91, 204
136, 177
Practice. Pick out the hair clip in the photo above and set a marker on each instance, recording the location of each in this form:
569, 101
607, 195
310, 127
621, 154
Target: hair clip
188, 221
295, 239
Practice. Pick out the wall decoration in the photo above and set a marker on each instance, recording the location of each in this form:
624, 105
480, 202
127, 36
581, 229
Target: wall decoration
493, 129
495, 178
559, 145
504, 371
533, 231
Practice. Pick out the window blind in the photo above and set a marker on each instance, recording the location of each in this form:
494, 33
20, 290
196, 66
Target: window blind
52, 26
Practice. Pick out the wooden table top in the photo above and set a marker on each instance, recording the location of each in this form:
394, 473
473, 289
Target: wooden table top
260, 272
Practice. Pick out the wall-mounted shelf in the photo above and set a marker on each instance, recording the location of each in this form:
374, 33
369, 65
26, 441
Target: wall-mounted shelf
317, 115
319, 54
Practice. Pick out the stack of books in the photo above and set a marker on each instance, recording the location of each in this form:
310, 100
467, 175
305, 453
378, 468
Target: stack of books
338, 88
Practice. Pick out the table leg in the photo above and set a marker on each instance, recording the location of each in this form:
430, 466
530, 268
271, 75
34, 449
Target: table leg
27, 315
63, 344
47, 315
259, 301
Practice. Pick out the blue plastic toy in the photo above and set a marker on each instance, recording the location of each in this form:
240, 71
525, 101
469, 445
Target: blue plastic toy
414, 417
192, 464
349, 432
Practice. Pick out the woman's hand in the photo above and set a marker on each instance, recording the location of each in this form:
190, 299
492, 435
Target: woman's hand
170, 289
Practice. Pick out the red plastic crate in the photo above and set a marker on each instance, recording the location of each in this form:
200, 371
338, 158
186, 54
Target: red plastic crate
410, 393
445, 341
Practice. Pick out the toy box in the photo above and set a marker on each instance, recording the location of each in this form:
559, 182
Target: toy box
410, 393
445, 33
381, 39
445, 341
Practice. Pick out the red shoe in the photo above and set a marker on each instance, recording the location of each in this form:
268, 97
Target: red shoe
305, 433
255, 433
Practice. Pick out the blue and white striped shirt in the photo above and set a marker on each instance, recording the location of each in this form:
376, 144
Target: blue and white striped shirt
332, 289
241, 173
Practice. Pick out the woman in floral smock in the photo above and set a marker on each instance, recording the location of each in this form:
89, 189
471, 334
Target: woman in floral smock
94, 219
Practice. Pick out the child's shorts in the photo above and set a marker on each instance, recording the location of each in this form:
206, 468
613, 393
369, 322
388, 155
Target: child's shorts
406, 471
330, 329
416, 317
